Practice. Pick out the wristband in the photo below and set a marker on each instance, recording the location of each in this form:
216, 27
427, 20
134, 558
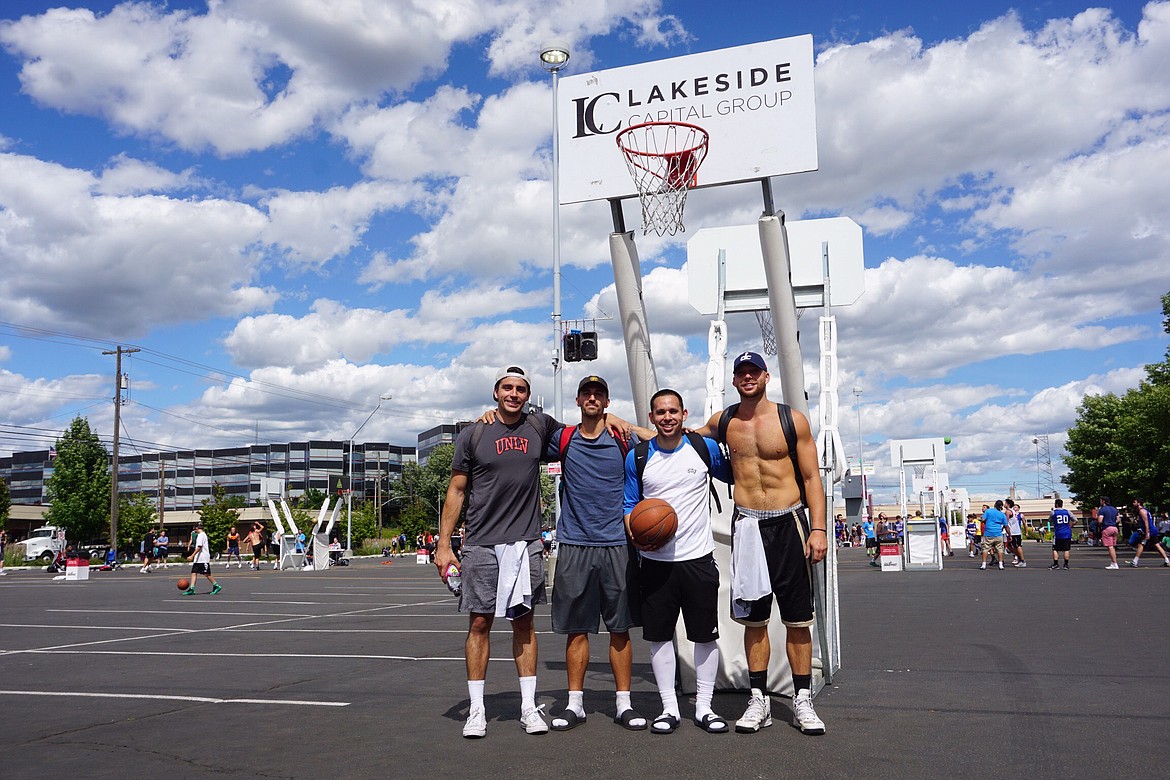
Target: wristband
822, 530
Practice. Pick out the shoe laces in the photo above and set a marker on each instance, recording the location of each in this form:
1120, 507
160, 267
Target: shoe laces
757, 708
803, 707
537, 711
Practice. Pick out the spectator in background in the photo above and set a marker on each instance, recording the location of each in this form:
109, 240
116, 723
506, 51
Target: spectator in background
1107, 522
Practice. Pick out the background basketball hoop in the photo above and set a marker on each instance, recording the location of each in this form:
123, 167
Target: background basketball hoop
663, 158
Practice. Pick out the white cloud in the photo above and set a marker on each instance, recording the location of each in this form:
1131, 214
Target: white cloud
118, 266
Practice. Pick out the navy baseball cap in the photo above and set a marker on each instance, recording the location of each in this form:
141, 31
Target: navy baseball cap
593, 379
754, 358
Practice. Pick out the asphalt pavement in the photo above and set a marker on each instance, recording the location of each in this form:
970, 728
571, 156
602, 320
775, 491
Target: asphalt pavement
357, 672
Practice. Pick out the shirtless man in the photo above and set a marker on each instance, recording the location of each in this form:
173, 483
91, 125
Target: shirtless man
769, 496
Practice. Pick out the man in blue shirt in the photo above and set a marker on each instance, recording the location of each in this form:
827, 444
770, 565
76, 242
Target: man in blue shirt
1148, 528
1062, 522
1107, 520
993, 523
591, 581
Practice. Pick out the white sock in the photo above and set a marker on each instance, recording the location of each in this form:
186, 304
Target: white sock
706, 667
663, 662
475, 693
577, 703
623, 704
527, 693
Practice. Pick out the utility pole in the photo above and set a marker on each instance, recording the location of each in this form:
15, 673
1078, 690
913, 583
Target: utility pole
117, 426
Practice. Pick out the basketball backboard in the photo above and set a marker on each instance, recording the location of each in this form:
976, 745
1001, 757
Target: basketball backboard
918, 452
756, 102
746, 288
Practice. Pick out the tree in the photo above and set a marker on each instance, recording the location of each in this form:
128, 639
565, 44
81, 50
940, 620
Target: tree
219, 513
1119, 446
79, 488
5, 501
312, 499
137, 514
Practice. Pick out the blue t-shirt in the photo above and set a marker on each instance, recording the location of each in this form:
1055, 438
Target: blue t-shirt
1062, 522
993, 523
867, 527
1107, 515
593, 475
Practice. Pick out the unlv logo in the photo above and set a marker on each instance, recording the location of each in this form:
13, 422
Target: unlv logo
511, 444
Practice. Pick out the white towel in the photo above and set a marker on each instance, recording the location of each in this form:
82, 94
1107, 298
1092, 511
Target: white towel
515, 584
749, 566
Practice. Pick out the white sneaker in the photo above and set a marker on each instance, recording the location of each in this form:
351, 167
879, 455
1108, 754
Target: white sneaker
533, 722
1001, 565
982, 566
804, 717
1134, 564
1023, 564
476, 725
1112, 566
758, 715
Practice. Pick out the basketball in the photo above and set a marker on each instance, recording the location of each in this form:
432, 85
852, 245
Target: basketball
183, 583
653, 522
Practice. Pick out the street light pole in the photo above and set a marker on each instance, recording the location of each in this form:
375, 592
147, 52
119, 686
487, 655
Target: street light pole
860, 451
553, 56
349, 495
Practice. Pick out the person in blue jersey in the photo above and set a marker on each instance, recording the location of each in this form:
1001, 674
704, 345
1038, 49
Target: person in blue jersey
972, 535
1107, 523
591, 580
994, 521
680, 575
1151, 537
871, 542
1062, 525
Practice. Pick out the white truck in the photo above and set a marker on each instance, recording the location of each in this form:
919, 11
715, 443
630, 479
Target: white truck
44, 543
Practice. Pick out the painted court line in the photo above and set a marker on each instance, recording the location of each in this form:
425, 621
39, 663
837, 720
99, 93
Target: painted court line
198, 699
305, 656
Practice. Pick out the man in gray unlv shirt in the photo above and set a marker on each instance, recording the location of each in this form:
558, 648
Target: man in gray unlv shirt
496, 467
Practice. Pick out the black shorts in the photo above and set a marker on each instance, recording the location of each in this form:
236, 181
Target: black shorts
1062, 545
871, 543
784, 538
1016, 541
1149, 541
201, 568
690, 587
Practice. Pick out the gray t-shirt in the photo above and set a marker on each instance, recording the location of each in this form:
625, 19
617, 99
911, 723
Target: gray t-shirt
503, 504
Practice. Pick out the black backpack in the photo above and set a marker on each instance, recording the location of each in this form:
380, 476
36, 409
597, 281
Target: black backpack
786, 424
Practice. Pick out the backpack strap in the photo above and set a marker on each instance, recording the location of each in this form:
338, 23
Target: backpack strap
641, 454
789, 428
566, 436
701, 447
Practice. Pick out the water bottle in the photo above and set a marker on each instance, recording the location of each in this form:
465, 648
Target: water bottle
454, 579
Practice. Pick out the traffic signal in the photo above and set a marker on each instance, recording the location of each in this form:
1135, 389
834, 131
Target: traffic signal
589, 345
572, 347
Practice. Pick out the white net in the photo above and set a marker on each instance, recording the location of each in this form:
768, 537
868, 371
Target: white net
767, 331
663, 159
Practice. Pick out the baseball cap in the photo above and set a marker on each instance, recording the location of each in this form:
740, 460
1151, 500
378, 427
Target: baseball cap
515, 372
754, 358
593, 379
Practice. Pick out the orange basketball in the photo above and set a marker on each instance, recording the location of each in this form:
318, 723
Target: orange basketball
183, 583
653, 522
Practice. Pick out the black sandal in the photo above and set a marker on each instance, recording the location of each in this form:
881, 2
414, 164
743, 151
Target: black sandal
664, 724
712, 723
571, 721
624, 720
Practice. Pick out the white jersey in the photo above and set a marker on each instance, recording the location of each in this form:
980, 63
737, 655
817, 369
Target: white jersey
202, 548
680, 478
1013, 522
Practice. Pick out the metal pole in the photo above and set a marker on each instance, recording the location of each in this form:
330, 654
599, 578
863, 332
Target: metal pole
349, 498
558, 389
860, 451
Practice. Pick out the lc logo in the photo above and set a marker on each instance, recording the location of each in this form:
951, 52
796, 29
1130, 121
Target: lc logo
587, 115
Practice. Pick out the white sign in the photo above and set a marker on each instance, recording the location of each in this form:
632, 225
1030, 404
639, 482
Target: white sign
756, 102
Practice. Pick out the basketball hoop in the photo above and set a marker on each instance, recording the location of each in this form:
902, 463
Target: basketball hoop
663, 159
767, 331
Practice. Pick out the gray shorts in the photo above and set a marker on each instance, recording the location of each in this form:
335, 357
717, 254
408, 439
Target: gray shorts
591, 584
481, 576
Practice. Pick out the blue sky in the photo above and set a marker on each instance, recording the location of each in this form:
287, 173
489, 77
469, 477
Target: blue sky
292, 212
